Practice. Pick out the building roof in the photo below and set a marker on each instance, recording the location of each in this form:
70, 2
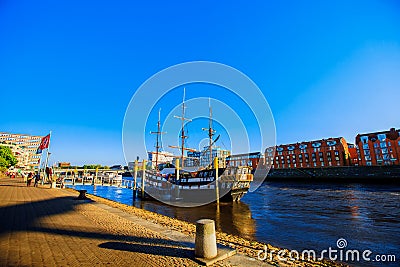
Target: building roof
391, 134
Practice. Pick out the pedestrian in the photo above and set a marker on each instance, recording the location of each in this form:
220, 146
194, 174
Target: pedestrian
29, 180
37, 179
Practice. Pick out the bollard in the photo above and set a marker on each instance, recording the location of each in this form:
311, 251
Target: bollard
82, 194
205, 242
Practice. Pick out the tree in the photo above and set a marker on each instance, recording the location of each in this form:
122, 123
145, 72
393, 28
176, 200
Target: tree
7, 158
3, 164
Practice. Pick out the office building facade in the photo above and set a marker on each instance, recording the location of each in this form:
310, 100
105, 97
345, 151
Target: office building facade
24, 147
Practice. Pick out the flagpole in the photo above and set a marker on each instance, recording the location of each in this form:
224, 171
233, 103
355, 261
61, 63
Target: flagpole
40, 162
47, 158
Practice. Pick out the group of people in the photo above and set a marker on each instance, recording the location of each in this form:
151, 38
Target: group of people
13, 174
33, 176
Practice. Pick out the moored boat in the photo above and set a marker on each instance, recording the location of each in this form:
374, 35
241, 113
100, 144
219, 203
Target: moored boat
173, 184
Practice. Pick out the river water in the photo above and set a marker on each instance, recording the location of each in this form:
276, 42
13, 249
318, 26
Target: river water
299, 216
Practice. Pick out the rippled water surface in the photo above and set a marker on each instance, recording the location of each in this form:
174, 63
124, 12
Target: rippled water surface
298, 215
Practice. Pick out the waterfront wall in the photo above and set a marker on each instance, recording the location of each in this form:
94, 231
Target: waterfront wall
346, 173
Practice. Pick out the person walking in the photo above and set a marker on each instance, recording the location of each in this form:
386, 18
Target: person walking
29, 179
37, 179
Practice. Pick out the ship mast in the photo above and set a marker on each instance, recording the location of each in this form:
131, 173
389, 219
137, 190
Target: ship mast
183, 135
158, 137
211, 132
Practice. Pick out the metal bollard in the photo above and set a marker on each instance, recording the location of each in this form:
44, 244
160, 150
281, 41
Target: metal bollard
82, 194
205, 241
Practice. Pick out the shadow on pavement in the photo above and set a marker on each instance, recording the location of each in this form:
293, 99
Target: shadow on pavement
150, 249
24, 217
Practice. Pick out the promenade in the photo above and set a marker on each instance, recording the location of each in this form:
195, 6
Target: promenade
49, 227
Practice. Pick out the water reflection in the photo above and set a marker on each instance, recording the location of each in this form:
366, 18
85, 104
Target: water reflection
234, 218
314, 216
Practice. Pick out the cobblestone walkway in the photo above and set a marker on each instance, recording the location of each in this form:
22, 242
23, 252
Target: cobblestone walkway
48, 227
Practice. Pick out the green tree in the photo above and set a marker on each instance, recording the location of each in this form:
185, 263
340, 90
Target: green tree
92, 166
7, 158
3, 164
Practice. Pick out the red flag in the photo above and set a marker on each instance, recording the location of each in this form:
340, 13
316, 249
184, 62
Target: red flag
43, 144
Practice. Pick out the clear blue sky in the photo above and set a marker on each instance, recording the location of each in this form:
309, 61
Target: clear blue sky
326, 68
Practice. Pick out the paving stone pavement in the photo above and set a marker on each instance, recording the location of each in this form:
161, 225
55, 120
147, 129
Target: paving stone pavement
49, 227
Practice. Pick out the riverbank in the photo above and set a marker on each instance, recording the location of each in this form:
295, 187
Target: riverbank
242, 245
49, 227
342, 174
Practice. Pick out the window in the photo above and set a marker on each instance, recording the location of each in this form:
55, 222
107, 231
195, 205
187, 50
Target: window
382, 137
383, 144
336, 153
364, 139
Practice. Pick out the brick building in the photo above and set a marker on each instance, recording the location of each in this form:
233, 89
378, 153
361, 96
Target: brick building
330, 152
379, 148
354, 156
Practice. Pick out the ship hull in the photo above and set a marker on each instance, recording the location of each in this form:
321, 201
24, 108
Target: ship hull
198, 189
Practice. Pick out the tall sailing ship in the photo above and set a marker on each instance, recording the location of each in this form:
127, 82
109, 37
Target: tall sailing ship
175, 183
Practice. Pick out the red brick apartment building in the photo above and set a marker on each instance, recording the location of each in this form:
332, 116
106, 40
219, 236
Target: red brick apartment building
379, 148
330, 152
353, 154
